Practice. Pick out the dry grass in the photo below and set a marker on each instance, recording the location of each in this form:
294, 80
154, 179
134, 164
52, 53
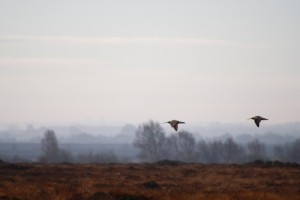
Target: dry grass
148, 181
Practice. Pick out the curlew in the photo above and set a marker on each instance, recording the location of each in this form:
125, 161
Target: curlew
257, 119
174, 124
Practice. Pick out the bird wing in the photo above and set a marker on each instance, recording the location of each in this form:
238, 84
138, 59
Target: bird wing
175, 127
257, 122
260, 118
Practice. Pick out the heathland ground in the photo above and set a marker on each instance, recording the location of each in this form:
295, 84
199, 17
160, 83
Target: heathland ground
162, 180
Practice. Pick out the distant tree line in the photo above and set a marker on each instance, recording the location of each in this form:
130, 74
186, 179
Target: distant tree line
154, 145
51, 153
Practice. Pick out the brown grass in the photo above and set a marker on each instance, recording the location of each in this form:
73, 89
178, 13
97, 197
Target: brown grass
148, 181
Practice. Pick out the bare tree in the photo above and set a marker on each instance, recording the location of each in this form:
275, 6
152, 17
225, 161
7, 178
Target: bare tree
50, 151
151, 141
184, 145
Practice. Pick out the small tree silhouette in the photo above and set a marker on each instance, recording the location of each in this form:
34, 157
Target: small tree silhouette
49, 147
151, 141
50, 150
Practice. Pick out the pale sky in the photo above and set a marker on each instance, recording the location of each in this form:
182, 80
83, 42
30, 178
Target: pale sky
131, 61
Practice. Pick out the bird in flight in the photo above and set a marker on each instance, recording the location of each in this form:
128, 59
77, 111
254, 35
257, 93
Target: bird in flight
257, 119
174, 124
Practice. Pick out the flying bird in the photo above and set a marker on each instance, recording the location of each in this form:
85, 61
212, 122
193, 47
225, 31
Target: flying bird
257, 119
174, 124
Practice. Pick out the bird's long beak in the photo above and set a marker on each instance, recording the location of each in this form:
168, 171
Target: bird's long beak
249, 118
165, 122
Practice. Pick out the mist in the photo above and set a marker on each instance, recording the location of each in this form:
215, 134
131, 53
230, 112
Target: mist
115, 143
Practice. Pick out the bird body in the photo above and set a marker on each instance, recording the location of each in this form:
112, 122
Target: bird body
258, 119
174, 124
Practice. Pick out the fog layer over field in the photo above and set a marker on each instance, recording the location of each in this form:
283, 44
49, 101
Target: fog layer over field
206, 142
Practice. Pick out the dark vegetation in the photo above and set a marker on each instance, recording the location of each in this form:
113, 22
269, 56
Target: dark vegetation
164, 180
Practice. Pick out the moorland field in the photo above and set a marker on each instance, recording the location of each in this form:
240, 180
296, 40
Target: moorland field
162, 180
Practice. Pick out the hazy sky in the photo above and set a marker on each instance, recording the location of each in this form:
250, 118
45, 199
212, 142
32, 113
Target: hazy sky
131, 61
